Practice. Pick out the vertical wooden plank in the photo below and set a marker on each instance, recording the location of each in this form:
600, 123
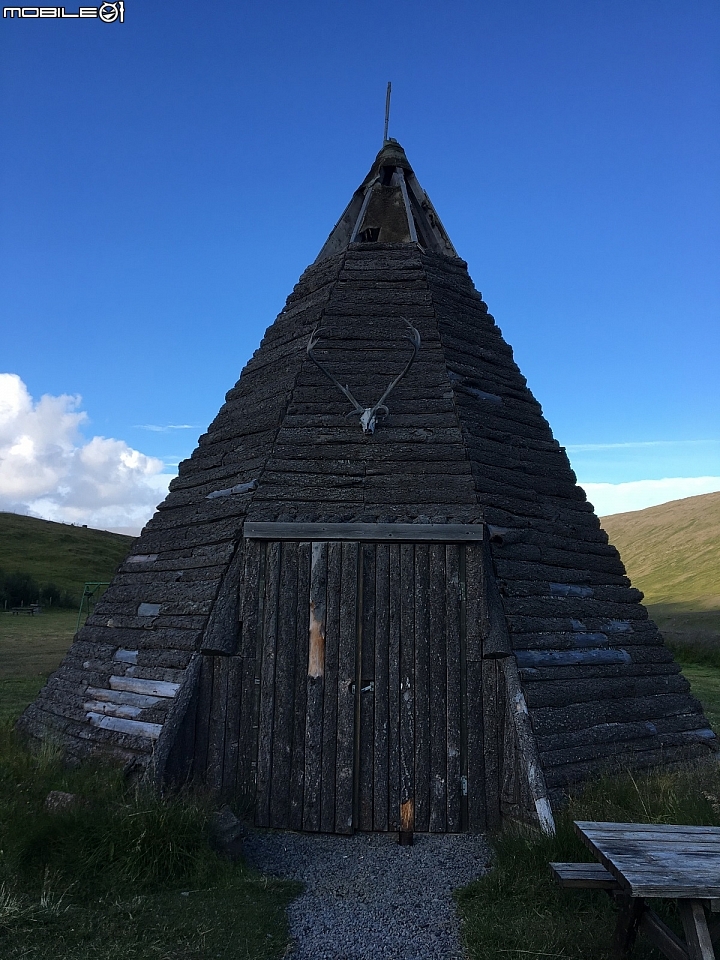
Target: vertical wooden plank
491, 735
247, 738
330, 697
218, 714
249, 601
464, 817
474, 617
251, 644
232, 725
422, 687
302, 618
179, 764
202, 721
509, 759
454, 746
382, 635
346, 693
407, 687
477, 816
267, 684
477, 820
314, 670
474, 579
367, 688
438, 686
394, 689
284, 688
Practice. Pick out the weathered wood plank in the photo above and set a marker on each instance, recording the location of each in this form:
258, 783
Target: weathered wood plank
345, 690
267, 685
528, 758
232, 726
583, 875
330, 685
247, 727
455, 747
663, 937
477, 816
202, 721
394, 687
492, 716
407, 687
250, 598
474, 602
422, 688
367, 688
302, 659
139, 700
381, 672
314, 678
438, 688
152, 688
218, 717
284, 688
137, 728
415, 532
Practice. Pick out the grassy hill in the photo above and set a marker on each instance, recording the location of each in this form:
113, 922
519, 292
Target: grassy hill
672, 553
59, 553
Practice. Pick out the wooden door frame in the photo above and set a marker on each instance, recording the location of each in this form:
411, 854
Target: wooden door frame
448, 534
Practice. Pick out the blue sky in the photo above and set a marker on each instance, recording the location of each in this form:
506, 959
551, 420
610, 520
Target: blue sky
168, 178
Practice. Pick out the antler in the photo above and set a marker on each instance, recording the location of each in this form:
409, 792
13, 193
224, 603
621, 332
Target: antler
344, 389
368, 415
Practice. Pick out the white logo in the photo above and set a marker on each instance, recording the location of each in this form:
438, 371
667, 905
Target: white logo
107, 12
110, 12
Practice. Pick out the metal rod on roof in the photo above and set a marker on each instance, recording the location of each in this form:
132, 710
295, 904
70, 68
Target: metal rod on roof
387, 111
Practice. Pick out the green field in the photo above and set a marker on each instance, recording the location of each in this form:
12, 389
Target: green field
59, 553
672, 554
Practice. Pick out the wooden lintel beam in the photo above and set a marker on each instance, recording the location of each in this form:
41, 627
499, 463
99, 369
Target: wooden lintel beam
413, 532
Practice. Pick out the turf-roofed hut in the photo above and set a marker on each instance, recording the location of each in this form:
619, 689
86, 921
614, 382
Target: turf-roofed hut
375, 597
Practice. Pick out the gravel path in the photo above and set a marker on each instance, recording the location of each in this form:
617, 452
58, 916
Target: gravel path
367, 897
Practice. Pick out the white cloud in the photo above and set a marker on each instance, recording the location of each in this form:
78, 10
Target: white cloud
609, 498
48, 469
637, 444
156, 428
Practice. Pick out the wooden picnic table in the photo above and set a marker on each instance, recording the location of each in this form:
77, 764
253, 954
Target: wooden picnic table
32, 609
651, 861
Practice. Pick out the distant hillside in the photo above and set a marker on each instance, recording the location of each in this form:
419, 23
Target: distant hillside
58, 552
672, 552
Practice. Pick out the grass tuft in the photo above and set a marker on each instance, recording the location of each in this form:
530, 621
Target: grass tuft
123, 873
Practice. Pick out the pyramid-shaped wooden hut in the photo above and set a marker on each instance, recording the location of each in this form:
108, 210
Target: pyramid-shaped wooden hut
375, 597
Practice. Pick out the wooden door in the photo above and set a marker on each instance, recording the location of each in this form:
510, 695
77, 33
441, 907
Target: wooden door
413, 765
355, 699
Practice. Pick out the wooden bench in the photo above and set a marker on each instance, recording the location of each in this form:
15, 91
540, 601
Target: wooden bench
592, 876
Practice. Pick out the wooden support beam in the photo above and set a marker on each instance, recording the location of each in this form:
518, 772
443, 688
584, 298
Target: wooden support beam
409, 532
